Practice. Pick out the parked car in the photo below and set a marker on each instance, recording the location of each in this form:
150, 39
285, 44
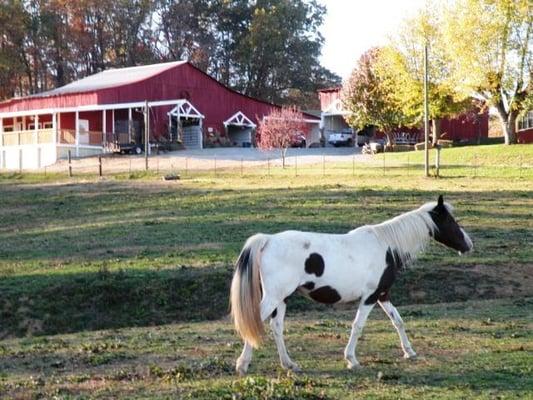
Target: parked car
342, 138
299, 140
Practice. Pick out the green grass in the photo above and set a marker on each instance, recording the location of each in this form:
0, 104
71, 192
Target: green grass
479, 350
118, 284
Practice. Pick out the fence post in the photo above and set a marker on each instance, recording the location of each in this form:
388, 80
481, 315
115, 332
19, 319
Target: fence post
437, 161
69, 164
100, 166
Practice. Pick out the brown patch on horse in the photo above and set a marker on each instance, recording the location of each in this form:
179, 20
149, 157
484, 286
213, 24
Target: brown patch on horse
394, 265
325, 294
314, 264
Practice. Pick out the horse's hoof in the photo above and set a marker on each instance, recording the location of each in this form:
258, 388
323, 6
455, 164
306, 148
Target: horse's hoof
354, 366
241, 371
296, 369
410, 356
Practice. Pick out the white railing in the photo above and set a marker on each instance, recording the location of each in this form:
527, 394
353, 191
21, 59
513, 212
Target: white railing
31, 136
45, 136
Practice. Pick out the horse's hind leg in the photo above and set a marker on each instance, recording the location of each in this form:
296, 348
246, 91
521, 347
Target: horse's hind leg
276, 323
357, 330
243, 362
397, 321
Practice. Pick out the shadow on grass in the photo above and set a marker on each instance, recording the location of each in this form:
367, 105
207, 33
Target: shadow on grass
40, 304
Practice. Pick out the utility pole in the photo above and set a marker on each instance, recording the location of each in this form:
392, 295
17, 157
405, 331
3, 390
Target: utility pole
146, 133
426, 112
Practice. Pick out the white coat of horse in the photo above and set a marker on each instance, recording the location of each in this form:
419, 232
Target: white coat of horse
361, 264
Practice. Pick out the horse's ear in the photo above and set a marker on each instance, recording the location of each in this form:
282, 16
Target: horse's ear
441, 201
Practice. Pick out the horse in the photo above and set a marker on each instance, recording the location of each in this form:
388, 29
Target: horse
333, 268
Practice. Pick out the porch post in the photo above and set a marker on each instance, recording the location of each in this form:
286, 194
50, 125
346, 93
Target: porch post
104, 127
113, 123
36, 129
130, 123
54, 125
201, 134
58, 129
1, 134
169, 127
77, 139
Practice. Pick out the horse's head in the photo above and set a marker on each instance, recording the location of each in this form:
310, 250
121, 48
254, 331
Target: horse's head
447, 231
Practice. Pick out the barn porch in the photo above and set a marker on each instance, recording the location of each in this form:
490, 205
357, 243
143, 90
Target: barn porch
37, 138
239, 129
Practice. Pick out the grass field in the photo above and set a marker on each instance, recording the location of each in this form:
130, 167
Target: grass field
118, 287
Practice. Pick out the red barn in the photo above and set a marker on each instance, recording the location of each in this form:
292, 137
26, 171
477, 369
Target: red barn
465, 127
98, 113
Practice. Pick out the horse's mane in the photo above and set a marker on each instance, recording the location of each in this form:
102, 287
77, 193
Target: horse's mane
408, 233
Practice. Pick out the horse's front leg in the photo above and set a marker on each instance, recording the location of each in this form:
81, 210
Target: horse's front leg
357, 329
397, 321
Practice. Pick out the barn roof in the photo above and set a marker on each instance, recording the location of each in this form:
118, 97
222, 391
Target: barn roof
111, 78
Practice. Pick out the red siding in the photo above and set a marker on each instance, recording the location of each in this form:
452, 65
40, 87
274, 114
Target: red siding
37, 103
466, 127
525, 136
328, 96
67, 120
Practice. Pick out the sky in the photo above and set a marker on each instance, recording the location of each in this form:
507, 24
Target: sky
353, 26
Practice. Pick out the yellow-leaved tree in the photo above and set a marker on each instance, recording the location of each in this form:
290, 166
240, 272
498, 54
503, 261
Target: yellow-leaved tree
404, 61
489, 50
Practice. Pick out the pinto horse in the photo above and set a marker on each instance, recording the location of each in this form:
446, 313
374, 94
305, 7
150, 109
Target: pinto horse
361, 264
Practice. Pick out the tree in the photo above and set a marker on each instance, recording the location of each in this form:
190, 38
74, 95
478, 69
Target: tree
280, 49
404, 62
264, 48
489, 45
278, 130
369, 96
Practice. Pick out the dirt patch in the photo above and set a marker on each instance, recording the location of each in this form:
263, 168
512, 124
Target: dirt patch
464, 283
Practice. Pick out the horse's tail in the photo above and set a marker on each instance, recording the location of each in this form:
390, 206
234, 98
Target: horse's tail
246, 291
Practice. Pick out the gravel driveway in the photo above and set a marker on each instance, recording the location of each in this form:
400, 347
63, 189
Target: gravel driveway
207, 158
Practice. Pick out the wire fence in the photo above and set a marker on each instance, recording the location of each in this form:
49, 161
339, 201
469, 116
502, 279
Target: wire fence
379, 165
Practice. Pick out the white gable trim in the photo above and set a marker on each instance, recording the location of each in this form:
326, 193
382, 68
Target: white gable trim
239, 119
185, 109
